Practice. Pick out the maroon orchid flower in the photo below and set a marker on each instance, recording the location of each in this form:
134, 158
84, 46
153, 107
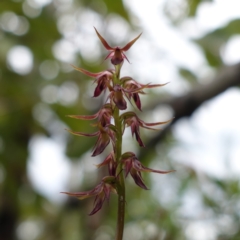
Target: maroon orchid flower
133, 89
103, 79
101, 193
116, 53
133, 166
110, 161
116, 96
104, 115
130, 119
105, 134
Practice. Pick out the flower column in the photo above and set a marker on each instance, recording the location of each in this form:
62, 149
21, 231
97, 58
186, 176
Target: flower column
119, 89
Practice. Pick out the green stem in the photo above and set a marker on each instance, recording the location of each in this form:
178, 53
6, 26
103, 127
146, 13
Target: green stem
121, 184
118, 154
121, 210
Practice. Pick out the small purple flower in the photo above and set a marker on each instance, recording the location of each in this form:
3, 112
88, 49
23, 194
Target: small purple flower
110, 161
133, 89
101, 193
103, 79
116, 53
104, 115
105, 134
130, 119
116, 96
133, 166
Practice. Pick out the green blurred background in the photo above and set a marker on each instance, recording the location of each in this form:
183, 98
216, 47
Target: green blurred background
39, 39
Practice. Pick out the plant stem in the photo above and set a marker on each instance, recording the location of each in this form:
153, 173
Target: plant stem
118, 154
121, 209
121, 184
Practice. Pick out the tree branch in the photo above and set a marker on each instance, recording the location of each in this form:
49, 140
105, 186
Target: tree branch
185, 106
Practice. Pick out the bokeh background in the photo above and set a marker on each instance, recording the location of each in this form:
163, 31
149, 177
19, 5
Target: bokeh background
192, 44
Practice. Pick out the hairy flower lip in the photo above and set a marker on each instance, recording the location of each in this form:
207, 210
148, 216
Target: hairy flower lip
116, 53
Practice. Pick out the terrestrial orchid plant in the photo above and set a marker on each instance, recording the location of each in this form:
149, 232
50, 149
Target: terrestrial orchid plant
120, 90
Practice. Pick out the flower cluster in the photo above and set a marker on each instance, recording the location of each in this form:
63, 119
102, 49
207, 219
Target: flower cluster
111, 125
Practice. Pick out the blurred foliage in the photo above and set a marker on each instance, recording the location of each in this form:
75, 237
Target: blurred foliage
100, 6
188, 75
193, 6
213, 42
34, 103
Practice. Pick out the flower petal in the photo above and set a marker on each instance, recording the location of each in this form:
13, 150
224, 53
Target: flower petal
137, 177
111, 163
155, 85
98, 202
139, 140
127, 47
84, 117
81, 195
119, 100
137, 101
102, 85
155, 124
90, 74
137, 165
104, 42
83, 134
101, 144
145, 169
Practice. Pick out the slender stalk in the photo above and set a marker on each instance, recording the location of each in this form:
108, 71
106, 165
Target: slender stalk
118, 153
121, 184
